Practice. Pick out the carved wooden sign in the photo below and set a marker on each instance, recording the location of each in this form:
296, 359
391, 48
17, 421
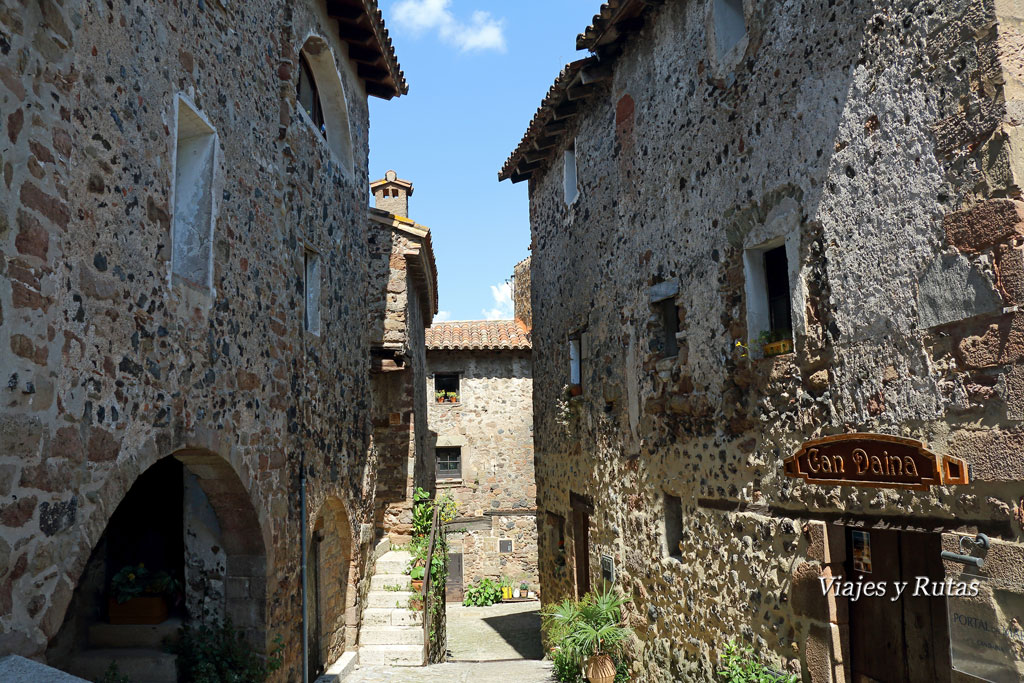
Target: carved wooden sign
877, 460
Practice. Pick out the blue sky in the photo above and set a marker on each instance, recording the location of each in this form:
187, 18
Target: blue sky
477, 71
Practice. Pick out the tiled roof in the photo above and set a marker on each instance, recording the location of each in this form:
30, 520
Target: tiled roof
477, 334
614, 18
361, 25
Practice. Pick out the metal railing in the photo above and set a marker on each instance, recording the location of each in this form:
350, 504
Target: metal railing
427, 587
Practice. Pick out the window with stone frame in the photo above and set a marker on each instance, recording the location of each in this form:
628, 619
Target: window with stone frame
311, 291
570, 185
193, 218
668, 314
309, 96
673, 529
776, 278
575, 363
730, 25
446, 387
448, 463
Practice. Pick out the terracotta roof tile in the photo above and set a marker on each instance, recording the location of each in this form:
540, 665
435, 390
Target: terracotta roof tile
477, 334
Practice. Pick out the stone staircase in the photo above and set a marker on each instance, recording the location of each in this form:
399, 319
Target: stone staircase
137, 650
391, 634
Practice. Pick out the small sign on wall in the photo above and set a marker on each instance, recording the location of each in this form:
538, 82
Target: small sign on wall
505, 546
395, 419
608, 568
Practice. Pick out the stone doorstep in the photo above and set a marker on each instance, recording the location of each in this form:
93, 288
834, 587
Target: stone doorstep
133, 635
340, 669
141, 665
397, 655
379, 581
393, 616
391, 635
392, 599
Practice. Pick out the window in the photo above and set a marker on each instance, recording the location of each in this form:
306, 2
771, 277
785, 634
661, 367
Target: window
192, 226
309, 96
311, 288
570, 188
776, 278
446, 388
505, 546
730, 25
669, 314
673, 526
449, 463
575, 350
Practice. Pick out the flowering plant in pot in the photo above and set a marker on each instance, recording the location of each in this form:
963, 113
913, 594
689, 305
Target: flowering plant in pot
139, 596
588, 635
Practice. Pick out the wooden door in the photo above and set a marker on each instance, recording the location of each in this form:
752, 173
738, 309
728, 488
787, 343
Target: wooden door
581, 547
453, 588
906, 640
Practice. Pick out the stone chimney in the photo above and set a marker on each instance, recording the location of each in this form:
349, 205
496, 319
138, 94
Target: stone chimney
521, 293
391, 194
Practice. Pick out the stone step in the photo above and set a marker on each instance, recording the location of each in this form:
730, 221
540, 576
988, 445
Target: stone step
385, 616
399, 599
391, 635
379, 582
140, 665
338, 671
393, 562
133, 635
394, 655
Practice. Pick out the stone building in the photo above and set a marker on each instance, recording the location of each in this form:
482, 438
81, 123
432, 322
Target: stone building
846, 179
183, 307
402, 305
482, 414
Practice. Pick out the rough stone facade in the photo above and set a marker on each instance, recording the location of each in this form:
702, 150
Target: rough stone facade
492, 425
403, 301
880, 144
114, 359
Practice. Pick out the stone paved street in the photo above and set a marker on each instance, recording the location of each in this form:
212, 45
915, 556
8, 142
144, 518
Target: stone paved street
498, 644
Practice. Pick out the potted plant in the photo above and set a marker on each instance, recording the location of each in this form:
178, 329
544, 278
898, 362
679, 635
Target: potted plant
587, 634
523, 590
775, 342
453, 397
417, 579
439, 396
139, 596
575, 390
506, 589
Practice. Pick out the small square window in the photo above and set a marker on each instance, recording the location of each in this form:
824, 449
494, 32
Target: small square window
505, 546
446, 388
673, 526
449, 463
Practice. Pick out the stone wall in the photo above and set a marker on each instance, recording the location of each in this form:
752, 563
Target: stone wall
876, 144
521, 303
493, 425
109, 362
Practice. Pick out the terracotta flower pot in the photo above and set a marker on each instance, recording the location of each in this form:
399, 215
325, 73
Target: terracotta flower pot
575, 390
778, 348
145, 609
417, 585
600, 669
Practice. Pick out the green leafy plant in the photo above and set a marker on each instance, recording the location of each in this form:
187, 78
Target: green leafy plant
524, 588
772, 336
217, 653
394, 588
581, 629
740, 665
135, 580
484, 593
416, 573
113, 675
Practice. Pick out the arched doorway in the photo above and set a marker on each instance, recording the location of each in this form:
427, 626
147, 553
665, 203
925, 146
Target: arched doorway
330, 586
187, 519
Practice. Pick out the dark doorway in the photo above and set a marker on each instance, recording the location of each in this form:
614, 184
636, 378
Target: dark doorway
581, 510
453, 589
901, 641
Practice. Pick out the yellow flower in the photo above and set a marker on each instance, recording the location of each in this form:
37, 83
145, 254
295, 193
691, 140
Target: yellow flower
131, 577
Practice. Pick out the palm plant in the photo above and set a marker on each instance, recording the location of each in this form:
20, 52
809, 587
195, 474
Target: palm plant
587, 630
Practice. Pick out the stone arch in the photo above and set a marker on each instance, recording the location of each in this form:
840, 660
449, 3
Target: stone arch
320, 57
232, 584
332, 576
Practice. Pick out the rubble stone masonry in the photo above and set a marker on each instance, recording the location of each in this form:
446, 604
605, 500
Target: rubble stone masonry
880, 144
110, 362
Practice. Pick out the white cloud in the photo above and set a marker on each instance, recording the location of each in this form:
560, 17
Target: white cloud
482, 32
503, 309
442, 316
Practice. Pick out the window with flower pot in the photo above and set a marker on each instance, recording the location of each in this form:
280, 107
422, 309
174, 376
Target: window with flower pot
769, 298
446, 387
449, 462
673, 529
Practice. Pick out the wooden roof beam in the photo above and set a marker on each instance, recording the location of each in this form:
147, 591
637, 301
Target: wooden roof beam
564, 111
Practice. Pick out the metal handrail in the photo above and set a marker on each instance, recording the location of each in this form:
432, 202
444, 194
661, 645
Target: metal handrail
426, 586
